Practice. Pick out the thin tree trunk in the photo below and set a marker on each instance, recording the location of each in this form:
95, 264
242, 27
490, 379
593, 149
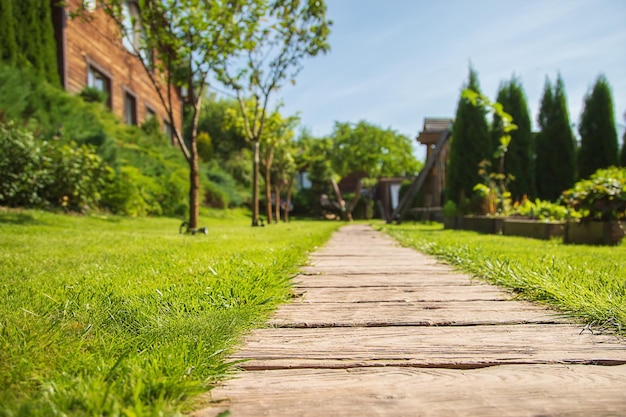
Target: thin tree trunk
194, 188
194, 171
277, 204
268, 195
255, 184
288, 200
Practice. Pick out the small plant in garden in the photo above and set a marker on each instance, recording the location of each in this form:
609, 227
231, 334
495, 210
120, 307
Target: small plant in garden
495, 186
450, 209
602, 196
543, 210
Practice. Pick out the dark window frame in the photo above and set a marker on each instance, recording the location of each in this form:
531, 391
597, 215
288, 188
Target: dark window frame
96, 72
130, 97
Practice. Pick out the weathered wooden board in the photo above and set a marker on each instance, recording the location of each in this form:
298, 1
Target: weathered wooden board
372, 265
360, 280
460, 313
538, 390
450, 347
369, 294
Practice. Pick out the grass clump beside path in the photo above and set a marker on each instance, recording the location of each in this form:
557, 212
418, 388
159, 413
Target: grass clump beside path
584, 282
116, 316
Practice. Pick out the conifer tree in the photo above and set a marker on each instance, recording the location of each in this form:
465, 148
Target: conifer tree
47, 44
8, 46
470, 144
34, 37
555, 146
598, 137
518, 161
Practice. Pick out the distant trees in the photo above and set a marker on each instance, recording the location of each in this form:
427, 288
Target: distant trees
555, 146
278, 36
470, 144
598, 137
519, 156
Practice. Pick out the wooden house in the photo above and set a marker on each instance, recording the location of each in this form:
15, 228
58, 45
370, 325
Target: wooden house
92, 53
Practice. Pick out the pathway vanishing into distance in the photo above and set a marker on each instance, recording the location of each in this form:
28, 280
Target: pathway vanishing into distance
381, 330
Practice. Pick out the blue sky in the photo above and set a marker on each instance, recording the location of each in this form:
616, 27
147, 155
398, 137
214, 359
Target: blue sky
394, 62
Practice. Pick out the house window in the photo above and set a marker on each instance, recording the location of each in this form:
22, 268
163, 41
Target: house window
168, 129
130, 108
99, 81
132, 34
150, 113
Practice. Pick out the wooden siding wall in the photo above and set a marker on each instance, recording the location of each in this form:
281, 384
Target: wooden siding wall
96, 41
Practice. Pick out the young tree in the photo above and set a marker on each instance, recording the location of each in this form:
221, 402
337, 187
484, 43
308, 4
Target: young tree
278, 134
180, 42
470, 144
284, 170
555, 145
518, 161
284, 33
598, 137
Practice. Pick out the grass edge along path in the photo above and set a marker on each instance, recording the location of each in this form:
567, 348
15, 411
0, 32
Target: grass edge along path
117, 316
587, 283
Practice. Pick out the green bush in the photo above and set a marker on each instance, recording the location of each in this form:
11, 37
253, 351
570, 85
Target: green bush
602, 196
36, 173
543, 210
222, 190
21, 176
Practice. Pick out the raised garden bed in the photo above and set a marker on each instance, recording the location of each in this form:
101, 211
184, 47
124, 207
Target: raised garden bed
483, 224
533, 228
594, 232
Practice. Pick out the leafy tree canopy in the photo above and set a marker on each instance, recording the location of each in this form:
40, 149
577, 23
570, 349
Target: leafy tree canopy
370, 149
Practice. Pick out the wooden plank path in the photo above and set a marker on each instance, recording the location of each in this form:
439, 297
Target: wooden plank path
380, 330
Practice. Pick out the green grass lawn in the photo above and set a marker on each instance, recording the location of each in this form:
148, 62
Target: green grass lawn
584, 282
117, 316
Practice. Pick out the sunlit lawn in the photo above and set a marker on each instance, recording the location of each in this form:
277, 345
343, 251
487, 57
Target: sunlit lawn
585, 282
117, 316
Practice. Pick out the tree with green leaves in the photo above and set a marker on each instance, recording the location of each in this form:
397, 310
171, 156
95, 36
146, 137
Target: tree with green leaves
519, 161
278, 134
598, 137
555, 145
284, 33
283, 175
375, 151
180, 44
469, 145
372, 151
215, 119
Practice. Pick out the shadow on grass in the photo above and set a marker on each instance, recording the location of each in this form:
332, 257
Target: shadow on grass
17, 218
